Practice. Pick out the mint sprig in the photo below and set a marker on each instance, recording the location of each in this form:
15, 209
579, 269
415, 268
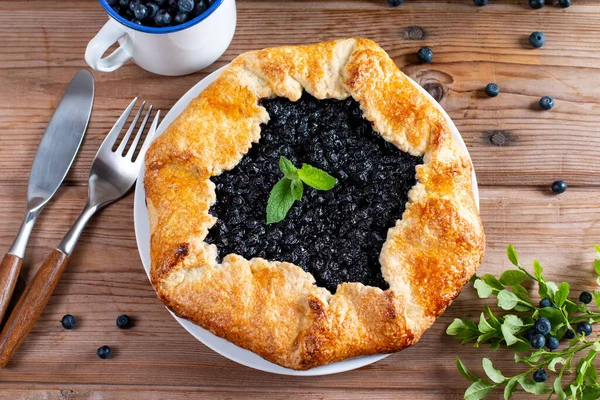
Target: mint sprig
291, 187
511, 330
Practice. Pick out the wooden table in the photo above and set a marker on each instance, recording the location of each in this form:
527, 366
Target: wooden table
517, 151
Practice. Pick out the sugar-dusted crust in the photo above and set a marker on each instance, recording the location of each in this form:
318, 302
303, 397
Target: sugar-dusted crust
274, 308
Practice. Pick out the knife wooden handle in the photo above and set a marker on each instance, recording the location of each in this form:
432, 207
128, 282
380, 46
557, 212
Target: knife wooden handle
9, 272
31, 304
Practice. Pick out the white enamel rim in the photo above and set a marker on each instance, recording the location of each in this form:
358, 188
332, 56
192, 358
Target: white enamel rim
222, 346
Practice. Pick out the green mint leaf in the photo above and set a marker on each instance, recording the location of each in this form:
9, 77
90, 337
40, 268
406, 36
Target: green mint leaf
492, 373
512, 277
493, 320
483, 289
532, 387
484, 326
597, 298
537, 269
509, 337
478, 390
521, 346
297, 188
558, 389
462, 328
280, 201
597, 248
521, 293
288, 169
510, 388
493, 282
486, 336
513, 323
552, 288
507, 300
316, 178
554, 361
590, 393
597, 267
561, 294
464, 371
513, 257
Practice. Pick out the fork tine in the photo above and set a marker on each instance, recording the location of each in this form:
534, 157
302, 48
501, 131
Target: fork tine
112, 136
148, 139
121, 148
139, 134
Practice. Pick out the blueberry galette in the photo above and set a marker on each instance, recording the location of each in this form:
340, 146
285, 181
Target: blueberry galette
364, 267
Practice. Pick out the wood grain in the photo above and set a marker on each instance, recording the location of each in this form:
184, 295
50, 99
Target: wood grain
517, 151
10, 266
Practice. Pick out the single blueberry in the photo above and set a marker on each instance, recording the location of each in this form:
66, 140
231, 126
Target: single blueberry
585, 297
545, 302
537, 39
395, 3
584, 328
530, 334
133, 4
185, 6
68, 321
543, 326
559, 187
425, 54
535, 4
180, 18
152, 9
492, 90
136, 21
140, 11
123, 322
569, 334
546, 103
103, 352
540, 376
199, 8
564, 3
552, 343
480, 3
162, 18
538, 341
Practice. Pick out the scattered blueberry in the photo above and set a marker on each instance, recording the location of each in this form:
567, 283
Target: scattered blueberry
540, 376
185, 6
535, 4
545, 302
180, 18
162, 18
530, 334
492, 90
538, 341
546, 103
140, 11
585, 297
559, 187
395, 3
152, 9
480, 3
68, 321
552, 343
425, 54
133, 4
200, 7
569, 334
585, 328
543, 326
537, 39
564, 3
123, 322
103, 352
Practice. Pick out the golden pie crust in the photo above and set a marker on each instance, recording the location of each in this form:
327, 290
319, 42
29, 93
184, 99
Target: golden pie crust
275, 308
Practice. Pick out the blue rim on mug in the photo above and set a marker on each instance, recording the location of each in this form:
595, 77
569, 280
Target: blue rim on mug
169, 29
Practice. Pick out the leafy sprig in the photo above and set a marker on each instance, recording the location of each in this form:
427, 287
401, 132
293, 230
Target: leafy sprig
512, 330
291, 187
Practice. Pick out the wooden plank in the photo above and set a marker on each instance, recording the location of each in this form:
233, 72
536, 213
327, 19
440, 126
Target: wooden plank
106, 279
472, 46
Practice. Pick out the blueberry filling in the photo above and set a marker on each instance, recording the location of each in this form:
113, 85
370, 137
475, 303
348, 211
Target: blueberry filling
335, 235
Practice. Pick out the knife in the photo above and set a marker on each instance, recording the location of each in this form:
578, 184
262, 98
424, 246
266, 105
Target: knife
53, 159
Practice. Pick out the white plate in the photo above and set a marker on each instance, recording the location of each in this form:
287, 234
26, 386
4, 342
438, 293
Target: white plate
221, 346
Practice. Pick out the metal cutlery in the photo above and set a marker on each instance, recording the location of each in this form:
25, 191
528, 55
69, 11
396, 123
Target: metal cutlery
112, 175
53, 159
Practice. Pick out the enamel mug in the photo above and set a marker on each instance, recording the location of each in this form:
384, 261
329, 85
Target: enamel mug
173, 50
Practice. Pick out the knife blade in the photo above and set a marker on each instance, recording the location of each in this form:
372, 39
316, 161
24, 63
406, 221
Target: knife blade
53, 159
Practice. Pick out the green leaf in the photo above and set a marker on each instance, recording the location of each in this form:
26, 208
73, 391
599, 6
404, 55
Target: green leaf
597, 267
492, 373
513, 257
552, 289
590, 393
537, 269
510, 388
555, 360
554, 315
495, 345
512, 277
509, 337
493, 282
513, 323
486, 336
597, 248
483, 289
484, 326
297, 188
521, 293
597, 298
507, 300
533, 387
478, 390
280, 201
493, 320
316, 178
558, 389
288, 169
561, 294
464, 371
521, 346
460, 327
522, 308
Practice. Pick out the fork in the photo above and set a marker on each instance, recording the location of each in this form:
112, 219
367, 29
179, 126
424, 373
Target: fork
112, 175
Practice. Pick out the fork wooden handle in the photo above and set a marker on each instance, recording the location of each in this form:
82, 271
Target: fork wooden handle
31, 304
9, 272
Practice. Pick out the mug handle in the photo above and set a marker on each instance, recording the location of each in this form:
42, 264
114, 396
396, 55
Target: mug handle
110, 33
